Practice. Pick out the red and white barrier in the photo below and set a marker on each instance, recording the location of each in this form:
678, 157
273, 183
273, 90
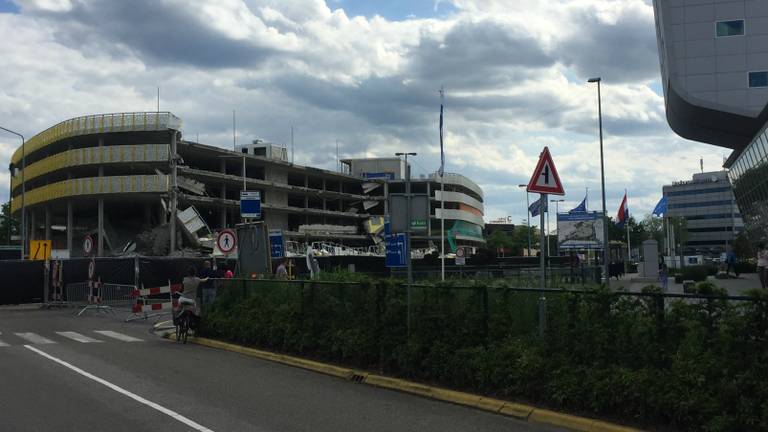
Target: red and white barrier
144, 308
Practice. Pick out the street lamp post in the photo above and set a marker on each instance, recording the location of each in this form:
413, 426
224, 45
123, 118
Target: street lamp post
528, 213
408, 236
598, 80
557, 210
23, 192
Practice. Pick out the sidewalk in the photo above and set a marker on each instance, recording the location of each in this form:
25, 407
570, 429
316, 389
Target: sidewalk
633, 283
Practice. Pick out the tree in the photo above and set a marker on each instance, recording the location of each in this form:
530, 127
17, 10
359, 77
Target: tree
4, 222
514, 243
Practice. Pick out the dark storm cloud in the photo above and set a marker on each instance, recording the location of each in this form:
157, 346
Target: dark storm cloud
476, 55
155, 31
620, 52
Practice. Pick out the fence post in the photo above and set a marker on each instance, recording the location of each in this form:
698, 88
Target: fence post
486, 313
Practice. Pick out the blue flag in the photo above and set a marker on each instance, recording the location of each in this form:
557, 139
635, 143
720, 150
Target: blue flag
661, 207
536, 207
442, 153
581, 208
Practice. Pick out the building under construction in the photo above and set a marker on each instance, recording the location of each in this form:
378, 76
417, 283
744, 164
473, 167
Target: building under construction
134, 185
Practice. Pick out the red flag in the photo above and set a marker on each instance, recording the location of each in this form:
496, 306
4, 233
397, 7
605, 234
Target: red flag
623, 215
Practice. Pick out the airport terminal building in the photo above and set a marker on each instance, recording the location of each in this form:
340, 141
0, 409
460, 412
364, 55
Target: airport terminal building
132, 183
714, 64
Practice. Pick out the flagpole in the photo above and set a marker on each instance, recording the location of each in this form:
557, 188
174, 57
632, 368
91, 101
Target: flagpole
442, 192
629, 246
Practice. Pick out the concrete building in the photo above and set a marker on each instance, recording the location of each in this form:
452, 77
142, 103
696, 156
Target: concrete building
708, 205
124, 178
463, 201
714, 65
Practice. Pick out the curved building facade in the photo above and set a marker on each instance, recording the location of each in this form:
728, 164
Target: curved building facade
714, 65
124, 178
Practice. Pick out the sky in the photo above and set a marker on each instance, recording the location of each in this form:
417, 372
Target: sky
367, 73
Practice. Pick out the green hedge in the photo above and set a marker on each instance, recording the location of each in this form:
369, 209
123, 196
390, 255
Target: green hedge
692, 365
697, 273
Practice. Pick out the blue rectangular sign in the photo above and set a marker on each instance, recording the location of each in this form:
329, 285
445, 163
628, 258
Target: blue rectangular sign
276, 245
250, 204
397, 250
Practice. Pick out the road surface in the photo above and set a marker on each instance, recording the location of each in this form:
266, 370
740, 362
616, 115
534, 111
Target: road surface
64, 373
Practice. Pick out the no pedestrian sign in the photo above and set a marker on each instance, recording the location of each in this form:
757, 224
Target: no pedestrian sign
545, 179
226, 241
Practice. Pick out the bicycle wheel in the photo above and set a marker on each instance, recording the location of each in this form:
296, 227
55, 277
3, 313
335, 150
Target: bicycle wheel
178, 328
185, 328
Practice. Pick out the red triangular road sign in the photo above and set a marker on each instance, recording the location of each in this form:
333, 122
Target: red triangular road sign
545, 179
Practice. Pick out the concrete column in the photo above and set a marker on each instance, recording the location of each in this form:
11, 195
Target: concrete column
70, 227
100, 246
47, 222
172, 223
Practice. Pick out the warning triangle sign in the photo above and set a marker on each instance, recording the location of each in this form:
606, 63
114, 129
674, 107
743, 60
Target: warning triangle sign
545, 179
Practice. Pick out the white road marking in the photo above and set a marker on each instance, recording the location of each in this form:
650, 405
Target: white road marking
118, 336
170, 413
34, 338
78, 337
3, 344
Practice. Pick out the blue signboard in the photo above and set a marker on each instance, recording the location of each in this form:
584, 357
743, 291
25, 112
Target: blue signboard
276, 245
250, 204
397, 250
379, 175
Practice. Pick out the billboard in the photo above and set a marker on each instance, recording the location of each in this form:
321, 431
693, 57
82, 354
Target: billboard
580, 230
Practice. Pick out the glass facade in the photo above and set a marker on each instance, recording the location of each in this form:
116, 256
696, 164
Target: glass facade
749, 177
730, 28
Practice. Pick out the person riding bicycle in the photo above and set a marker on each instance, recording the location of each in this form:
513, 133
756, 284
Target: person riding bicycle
188, 295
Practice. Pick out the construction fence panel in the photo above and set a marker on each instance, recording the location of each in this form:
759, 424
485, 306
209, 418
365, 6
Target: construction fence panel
22, 282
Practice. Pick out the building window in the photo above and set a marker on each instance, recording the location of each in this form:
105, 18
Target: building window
730, 28
758, 79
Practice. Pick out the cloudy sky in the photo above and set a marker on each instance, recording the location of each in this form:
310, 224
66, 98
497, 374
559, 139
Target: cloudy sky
367, 73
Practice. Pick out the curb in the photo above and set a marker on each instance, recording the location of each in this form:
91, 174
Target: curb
510, 409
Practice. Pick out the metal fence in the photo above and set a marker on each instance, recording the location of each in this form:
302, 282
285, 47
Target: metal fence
114, 295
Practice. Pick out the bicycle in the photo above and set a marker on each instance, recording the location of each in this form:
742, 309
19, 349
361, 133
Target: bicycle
183, 321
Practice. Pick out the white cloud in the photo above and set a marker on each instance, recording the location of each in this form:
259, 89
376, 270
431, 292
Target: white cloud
515, 74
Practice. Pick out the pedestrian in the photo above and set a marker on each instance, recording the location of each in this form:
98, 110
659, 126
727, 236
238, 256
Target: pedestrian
207, 288
730, 261
227, 272
762, 263
281, 272
190, 285
663, 276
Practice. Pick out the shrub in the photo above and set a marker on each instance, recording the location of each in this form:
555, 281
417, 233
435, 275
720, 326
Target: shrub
694, 365
695, 273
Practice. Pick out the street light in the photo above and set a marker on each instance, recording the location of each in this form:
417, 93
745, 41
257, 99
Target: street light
598, 80
23, 191
408, 236
557, 210
528, 213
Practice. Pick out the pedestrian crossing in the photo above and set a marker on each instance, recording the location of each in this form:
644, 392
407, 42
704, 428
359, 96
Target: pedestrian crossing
55, 337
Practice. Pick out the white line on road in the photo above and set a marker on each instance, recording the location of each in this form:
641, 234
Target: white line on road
78, 337
170, 413
3, 344
34, 338
118, 336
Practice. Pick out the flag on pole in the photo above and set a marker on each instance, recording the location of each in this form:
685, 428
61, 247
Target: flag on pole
442, 152
536, 207
661, 207
623, 215
581, 208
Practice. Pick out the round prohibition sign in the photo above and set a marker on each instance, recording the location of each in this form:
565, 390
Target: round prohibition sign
226, 241
460, 252
91, 268
88, 245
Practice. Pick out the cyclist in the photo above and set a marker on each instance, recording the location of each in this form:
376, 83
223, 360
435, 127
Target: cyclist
188, 296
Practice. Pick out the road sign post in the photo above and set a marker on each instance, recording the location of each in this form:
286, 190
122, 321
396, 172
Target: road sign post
544, 181
87, 245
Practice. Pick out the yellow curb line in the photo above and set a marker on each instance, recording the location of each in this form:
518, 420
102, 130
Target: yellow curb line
511, 409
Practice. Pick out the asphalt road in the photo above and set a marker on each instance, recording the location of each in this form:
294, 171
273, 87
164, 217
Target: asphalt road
63, 373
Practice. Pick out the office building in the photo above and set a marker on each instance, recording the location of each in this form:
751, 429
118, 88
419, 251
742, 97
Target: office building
714, 66
707, 204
